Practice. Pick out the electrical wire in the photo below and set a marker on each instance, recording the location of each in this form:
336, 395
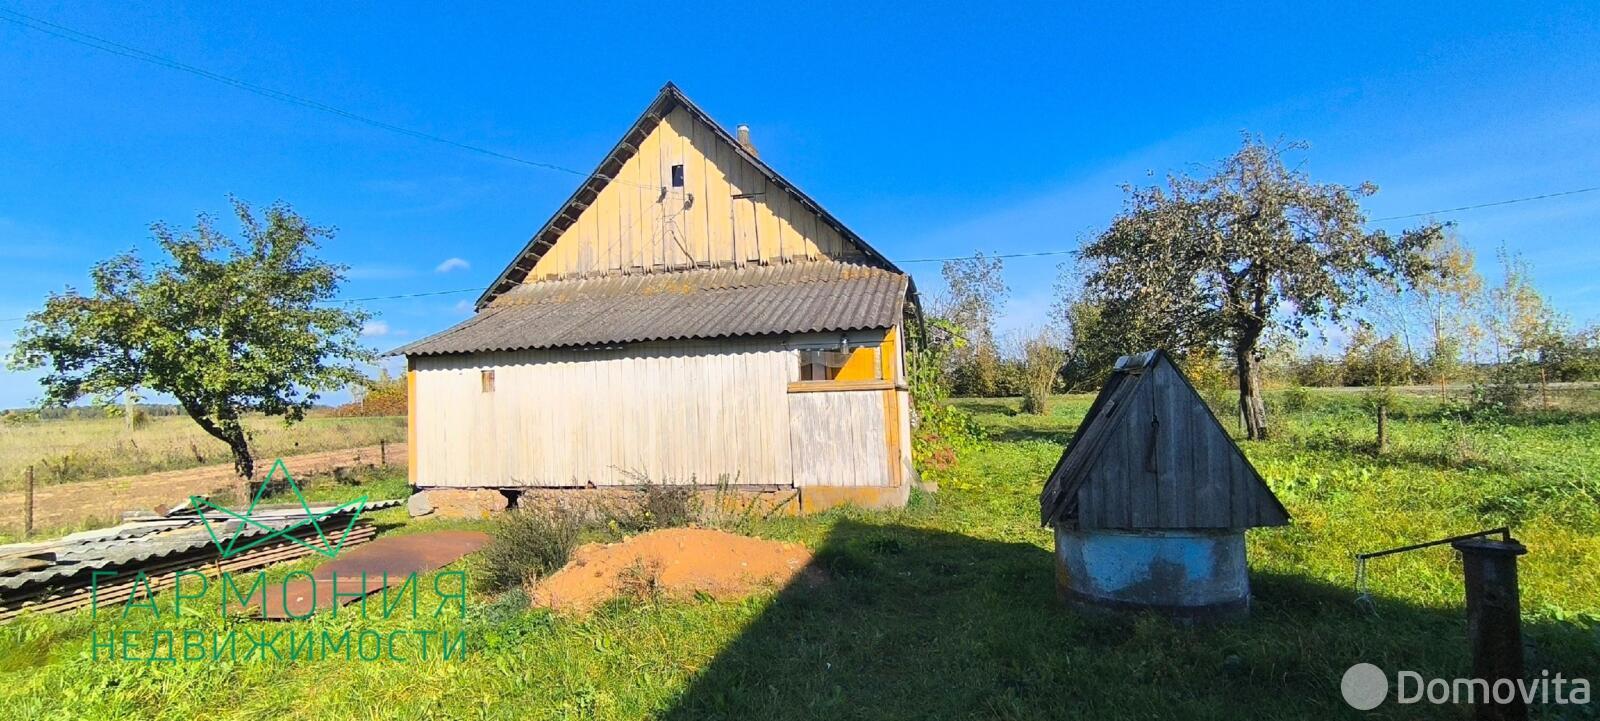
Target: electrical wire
92, 41
1008, 255
1488, 205
109, 46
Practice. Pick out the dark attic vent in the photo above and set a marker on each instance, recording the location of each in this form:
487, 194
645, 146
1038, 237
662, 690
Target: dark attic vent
677, 176
1151, 456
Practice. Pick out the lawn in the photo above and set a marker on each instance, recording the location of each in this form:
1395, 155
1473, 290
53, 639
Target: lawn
947, 608
80, 449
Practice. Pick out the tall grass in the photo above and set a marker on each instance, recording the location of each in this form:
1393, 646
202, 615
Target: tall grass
946, 610
63, 451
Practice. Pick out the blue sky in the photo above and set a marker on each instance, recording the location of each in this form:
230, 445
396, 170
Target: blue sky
1000, 127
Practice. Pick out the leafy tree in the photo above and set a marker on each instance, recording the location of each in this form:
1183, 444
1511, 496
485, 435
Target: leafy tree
1379, 363
1039, 357
1091, 346
1446, 298
1522, 327
226, 327
1433, 316
1253, 248
977, 290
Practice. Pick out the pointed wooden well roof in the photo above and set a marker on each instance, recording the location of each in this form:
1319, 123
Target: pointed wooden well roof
1150, 455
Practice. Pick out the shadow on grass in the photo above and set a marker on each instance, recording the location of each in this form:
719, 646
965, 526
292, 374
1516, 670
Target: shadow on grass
921, 624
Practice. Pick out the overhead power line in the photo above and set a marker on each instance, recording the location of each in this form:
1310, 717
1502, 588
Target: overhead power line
1375, 219
987, 256
110, 46
1488, 205
407, 295
1034, 254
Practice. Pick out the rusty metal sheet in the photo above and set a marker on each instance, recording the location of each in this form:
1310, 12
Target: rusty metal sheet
396, 556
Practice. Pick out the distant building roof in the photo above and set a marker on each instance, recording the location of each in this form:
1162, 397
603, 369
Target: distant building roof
711, 303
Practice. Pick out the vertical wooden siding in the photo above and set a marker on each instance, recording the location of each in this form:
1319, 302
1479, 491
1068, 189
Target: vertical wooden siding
670, 412
639, 223
838, 439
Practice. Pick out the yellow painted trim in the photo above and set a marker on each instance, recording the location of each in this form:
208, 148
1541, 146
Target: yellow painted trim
862, 366
835, 386
891, 433
891, 406
411, 424
890, 348
815, 499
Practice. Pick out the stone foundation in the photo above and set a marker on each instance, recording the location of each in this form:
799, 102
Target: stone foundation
753, 502
456, 503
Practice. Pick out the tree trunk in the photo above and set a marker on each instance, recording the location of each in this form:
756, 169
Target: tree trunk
243, 463
1252, 409
1383, 429
228, 430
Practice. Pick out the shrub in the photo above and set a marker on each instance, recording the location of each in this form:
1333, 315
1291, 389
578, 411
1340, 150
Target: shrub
660, 505
1294, 399
1042, 359
528, 543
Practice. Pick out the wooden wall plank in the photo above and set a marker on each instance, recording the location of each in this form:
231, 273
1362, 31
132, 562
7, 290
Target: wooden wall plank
670, 411
629, 227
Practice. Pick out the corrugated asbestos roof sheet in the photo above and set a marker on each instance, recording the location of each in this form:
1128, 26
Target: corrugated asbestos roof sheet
709, 303
137, 544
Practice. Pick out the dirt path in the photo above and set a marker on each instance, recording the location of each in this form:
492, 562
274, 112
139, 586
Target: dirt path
68, 504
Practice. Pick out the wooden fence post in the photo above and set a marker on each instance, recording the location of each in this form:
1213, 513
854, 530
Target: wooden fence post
1494, 620
27, 506
383, 453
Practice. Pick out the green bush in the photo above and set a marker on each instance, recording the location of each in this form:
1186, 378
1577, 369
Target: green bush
1294, 399
528, 543
661, 505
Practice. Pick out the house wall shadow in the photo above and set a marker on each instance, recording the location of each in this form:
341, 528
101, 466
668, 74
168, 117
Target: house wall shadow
914, 623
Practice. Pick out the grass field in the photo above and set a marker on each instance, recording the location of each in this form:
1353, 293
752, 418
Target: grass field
947, 609
62, 451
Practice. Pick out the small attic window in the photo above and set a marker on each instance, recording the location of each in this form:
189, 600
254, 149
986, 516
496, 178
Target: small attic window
487, 379
677, 176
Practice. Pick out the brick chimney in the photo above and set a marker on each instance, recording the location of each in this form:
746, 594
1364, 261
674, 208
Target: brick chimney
744, 141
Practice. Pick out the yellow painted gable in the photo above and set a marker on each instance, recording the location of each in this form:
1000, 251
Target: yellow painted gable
727, 212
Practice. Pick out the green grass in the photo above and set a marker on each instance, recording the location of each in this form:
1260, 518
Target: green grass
947, 609
62, 451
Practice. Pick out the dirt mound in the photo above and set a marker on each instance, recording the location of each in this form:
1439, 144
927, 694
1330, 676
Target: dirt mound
676, 562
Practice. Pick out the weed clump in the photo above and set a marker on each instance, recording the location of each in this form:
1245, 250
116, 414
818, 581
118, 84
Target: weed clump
659, 505
528, 544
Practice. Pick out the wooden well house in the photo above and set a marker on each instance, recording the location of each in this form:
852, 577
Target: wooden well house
1151, 499
687, 316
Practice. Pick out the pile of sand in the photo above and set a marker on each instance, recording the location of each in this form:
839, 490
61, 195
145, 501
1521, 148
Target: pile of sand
675, 562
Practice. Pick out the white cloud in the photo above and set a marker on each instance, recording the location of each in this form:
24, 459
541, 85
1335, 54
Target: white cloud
452, 264
463, 306
375, 329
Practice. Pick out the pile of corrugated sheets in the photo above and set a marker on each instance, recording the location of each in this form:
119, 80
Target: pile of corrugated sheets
55, 576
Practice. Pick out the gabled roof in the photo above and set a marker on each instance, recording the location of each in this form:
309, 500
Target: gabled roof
708, 303
1150, 455
669, 98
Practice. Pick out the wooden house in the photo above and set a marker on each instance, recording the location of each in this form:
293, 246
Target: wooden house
687, 316
1151, 499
